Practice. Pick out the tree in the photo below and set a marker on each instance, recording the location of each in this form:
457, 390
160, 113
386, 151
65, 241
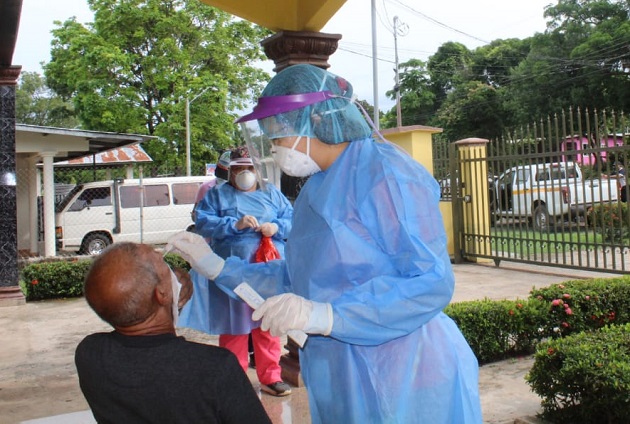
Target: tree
416, 95
449, 67
581, 60
36, 104
132, 69
471, 110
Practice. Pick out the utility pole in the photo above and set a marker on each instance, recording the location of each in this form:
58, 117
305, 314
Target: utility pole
403, 29
188, 102
375, 66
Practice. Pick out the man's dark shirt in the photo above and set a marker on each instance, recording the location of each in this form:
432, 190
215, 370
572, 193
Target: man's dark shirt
164, 379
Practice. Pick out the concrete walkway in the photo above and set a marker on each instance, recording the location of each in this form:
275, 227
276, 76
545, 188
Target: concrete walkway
38, 382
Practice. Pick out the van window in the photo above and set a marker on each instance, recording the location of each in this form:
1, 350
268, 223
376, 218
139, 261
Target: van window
98, 196
185, 193
154, 195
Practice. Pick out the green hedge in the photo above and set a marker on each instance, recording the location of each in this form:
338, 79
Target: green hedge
499, 329
584, 378
60, 279
580, 305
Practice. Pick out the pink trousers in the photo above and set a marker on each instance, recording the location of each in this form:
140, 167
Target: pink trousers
266, 350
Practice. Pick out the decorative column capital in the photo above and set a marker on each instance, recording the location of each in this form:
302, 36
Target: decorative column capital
288, 48
9, 74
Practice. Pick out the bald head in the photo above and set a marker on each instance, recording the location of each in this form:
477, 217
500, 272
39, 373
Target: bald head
121, 284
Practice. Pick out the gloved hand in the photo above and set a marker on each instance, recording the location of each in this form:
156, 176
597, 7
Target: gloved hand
268, 229
248, 221
288, 311
194, 249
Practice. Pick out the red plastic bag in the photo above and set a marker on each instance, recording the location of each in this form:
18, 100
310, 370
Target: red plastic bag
266, 251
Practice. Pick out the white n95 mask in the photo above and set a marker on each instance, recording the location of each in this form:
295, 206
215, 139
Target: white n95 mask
245, 180
294, 163
176, 286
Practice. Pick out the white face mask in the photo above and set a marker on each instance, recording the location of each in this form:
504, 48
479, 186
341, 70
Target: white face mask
176, 286
245, 180
294, 163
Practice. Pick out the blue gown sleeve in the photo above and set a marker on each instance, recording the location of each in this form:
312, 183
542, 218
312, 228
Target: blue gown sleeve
267, 278
285, 213
405, 222
209, 223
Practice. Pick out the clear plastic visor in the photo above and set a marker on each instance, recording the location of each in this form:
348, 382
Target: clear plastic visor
259, 147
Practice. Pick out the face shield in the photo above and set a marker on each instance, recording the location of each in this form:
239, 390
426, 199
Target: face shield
259, 147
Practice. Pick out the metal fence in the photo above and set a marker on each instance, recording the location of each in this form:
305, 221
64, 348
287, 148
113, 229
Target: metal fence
556, 193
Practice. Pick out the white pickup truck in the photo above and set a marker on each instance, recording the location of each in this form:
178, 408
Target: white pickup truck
548, 193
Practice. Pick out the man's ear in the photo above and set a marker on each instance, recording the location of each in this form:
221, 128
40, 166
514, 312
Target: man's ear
162, 295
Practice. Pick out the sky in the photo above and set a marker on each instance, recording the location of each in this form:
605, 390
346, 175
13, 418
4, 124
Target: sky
429, 25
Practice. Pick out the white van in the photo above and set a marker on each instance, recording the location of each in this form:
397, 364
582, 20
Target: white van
94, 215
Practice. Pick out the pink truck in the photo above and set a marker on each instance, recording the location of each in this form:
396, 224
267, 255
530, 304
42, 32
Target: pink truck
581, 150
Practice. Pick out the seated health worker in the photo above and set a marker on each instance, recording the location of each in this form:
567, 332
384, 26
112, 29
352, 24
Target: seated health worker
367, 272
235, 216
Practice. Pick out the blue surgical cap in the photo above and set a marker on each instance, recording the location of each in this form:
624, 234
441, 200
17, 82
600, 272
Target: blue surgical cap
333, 120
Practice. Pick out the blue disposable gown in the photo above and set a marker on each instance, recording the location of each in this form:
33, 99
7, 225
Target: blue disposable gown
368, 238
210, 309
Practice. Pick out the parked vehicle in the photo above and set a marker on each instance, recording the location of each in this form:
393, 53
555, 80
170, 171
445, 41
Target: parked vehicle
548, 193
150, 210
585, 152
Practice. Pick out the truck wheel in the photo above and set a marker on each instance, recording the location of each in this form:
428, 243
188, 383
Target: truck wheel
541, 218
94, 244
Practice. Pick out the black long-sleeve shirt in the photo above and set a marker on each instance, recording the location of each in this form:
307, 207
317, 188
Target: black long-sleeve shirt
164, 379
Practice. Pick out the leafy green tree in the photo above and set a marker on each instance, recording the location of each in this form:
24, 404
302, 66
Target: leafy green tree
493, 63
581, 60
449, 67
471, 110
416, 95
36, 104
132, 69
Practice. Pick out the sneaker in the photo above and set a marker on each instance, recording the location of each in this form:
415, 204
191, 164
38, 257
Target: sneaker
252, 361
279, 388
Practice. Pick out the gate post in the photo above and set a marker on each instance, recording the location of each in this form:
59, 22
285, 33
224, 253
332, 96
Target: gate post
471, 203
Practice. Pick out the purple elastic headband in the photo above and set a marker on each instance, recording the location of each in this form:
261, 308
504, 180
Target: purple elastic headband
273, 105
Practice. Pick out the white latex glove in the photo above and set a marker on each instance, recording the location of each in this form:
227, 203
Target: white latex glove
288, 311
194, 249
268, 229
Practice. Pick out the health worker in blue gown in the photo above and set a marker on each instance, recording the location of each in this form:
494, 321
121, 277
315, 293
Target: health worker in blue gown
366, 273
234, 216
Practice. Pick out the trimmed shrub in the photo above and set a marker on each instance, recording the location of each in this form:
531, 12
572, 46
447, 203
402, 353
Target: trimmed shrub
51, 280
611, 220
499, 329
584, 378
59, 279
581, 305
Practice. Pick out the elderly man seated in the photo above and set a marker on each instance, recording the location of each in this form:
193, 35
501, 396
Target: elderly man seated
142, 371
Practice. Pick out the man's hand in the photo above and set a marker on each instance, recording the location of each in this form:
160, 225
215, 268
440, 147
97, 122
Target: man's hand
186, 290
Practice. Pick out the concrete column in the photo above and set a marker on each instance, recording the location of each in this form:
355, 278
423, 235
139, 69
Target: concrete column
10, 293
49, 204
473, 204
288, 48
33, 193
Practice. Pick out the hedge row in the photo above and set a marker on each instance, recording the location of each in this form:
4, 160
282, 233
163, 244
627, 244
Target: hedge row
59, 279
